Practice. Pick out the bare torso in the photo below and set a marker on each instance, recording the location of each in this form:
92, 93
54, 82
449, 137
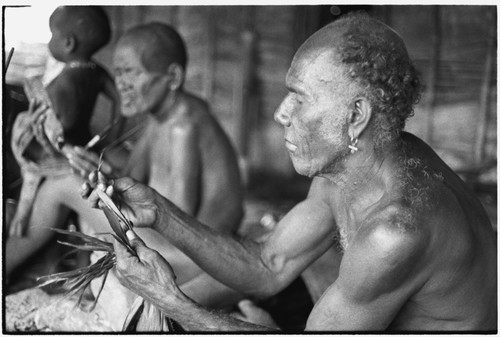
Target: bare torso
449, 281
218, 180
200, 174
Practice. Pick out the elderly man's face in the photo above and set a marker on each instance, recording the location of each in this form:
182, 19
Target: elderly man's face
140, 90
315, 114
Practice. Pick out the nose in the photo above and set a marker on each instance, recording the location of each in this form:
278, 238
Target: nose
121, 83
281, 115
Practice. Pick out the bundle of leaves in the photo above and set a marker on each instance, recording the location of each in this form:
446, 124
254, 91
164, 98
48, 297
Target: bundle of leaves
143, 315
75, 282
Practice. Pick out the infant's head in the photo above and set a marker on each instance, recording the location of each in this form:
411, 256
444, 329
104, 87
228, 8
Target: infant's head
78, 32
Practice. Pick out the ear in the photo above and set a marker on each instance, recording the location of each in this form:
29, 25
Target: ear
360, 117
70, 43
176, 74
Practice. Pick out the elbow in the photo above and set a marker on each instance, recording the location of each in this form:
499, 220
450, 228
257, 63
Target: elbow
274, 279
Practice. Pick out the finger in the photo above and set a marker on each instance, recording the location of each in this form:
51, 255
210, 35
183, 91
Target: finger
93, 199
19, 230
123, 256
106, 168
38, 128
92, 178
32, 104
246, 306
123, 184
12, 229
85, 190
134, 240
101, 179
110, 190
39, 114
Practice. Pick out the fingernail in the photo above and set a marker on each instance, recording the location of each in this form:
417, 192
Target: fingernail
84, 186
130, 235
102, 187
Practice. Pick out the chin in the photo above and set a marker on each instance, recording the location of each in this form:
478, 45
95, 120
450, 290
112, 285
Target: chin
304, 169
131, 112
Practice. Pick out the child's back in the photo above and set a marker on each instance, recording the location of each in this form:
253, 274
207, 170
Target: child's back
73, 95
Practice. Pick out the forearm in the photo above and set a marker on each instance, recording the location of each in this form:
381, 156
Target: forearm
233, 261
209, 292
194, 317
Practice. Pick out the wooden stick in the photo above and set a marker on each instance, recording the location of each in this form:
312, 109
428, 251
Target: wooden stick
9, 57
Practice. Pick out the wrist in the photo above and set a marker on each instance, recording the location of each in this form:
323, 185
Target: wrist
162, 217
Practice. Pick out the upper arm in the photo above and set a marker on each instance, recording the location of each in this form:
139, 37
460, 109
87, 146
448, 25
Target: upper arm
63, 96
377, 276
185, 167
299, 238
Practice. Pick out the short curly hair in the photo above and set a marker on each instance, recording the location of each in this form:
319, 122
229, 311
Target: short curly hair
376, 57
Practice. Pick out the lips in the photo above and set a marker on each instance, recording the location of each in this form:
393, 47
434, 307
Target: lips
290, 146
127, 98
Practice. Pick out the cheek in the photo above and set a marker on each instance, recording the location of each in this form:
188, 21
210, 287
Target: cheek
52, 48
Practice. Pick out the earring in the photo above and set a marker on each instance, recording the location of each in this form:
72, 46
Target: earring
352, 146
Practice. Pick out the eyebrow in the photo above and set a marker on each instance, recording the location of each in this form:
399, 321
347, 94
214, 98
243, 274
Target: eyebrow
295, 86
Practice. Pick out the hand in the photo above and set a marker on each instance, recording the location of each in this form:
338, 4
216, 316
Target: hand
84, 161
17, 226
137, 202
37, 112
148, 274
249, 312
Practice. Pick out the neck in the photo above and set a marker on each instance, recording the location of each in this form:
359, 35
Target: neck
365, 176
81, 63
169, 106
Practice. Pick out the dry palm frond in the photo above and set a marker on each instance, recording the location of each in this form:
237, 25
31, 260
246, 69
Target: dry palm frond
75, 282
145, 315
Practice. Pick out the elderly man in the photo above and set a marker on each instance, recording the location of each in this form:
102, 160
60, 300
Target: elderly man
417, 248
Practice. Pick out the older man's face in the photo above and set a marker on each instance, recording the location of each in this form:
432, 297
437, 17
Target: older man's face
140, 90
314, 114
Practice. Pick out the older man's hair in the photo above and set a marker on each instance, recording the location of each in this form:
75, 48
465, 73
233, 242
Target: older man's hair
88, 24
376, 57
158, 44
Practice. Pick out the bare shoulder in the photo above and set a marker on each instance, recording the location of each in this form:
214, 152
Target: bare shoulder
64, 81
191, 111
394, 233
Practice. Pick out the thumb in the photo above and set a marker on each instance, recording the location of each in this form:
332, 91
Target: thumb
137, 244
122, 184
134, 240
246, 306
